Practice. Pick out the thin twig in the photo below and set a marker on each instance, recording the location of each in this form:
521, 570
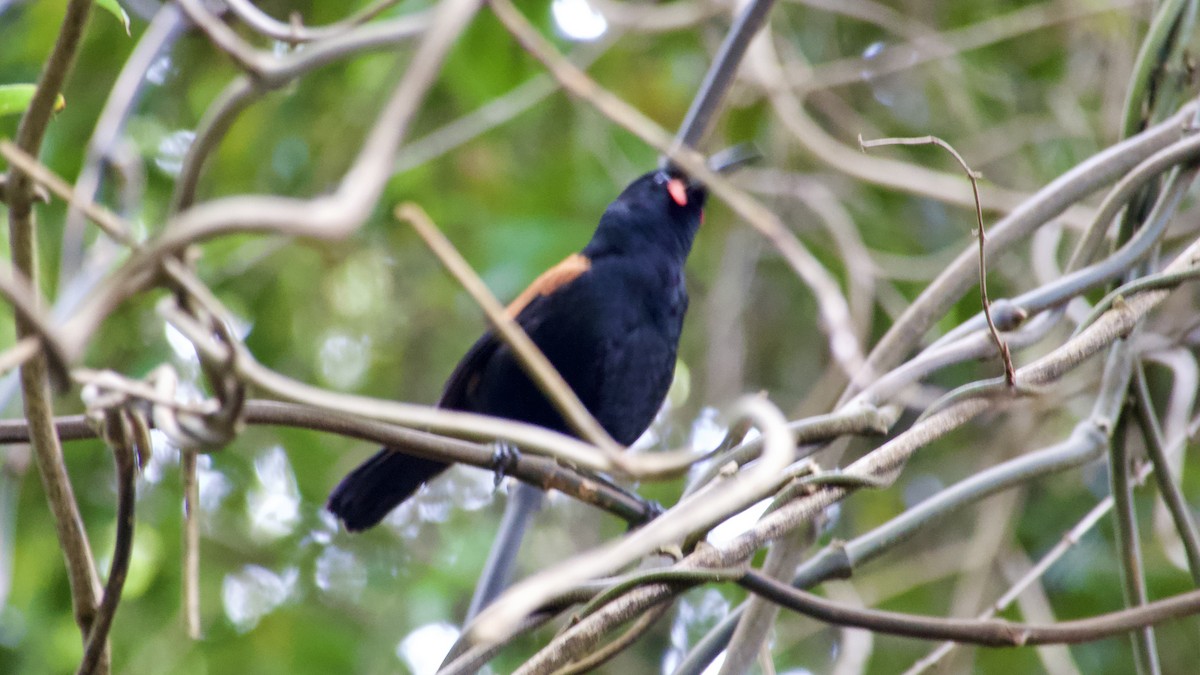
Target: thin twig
294, 32
540, 471
1010, 376
1129, 547
1138, 247
191, 542
1146, 283
110, 223
166, 26
128, 436
1056, 552
1102, 168
614, 587
535, 363
270, 71
218, 117
244, 90
491, 115
1168, 487
27, 304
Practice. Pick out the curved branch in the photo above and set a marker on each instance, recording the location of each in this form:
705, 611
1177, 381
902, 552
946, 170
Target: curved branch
295, 32
68, 523
539, 471
132, 432
271, 71
986, 632
326, 217
699, 512
1048, 203
1079, 281
882, 462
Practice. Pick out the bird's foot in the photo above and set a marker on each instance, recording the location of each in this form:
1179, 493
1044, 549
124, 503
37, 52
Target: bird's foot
651, 508
504, 459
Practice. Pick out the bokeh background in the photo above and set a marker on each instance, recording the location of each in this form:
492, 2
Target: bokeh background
1024, 90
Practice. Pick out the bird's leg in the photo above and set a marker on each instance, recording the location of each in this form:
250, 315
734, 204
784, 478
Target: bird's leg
504, 459
653, 509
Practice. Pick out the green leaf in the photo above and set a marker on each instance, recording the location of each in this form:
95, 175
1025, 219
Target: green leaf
15, 98
115, 9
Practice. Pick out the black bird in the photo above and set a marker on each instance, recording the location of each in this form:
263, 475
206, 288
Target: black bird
608, 318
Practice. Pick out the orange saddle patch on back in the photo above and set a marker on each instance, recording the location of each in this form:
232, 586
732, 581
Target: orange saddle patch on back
551, 280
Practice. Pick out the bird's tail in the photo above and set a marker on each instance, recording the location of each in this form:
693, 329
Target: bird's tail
378, 485
523, 502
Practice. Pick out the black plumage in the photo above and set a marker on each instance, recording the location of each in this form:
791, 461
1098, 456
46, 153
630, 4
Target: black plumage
608, 318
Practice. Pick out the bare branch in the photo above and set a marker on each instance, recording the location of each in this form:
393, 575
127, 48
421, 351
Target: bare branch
294, 32
1010, 376
542, 472
68, 523
331, 216
1185, 522
1048, 203
127, 434
720, 76
882, 462
989, 632
694, 514
535, 363
191, 543
164, 29
26, 302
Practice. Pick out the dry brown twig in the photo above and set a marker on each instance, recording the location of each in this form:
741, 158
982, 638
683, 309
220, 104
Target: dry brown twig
1010, 376
532, 358
35, 373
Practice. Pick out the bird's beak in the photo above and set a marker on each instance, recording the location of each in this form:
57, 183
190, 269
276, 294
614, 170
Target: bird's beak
732, 158
678, 190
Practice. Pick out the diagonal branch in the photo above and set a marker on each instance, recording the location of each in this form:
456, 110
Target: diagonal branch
720, 75
535, 363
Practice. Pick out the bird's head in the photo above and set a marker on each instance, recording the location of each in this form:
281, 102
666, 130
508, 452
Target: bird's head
661, 209
664, 195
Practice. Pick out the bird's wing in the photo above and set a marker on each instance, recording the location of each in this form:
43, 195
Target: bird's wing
464, 381
550, 281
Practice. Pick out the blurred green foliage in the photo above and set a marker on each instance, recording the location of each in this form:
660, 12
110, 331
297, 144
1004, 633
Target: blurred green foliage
375, 314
